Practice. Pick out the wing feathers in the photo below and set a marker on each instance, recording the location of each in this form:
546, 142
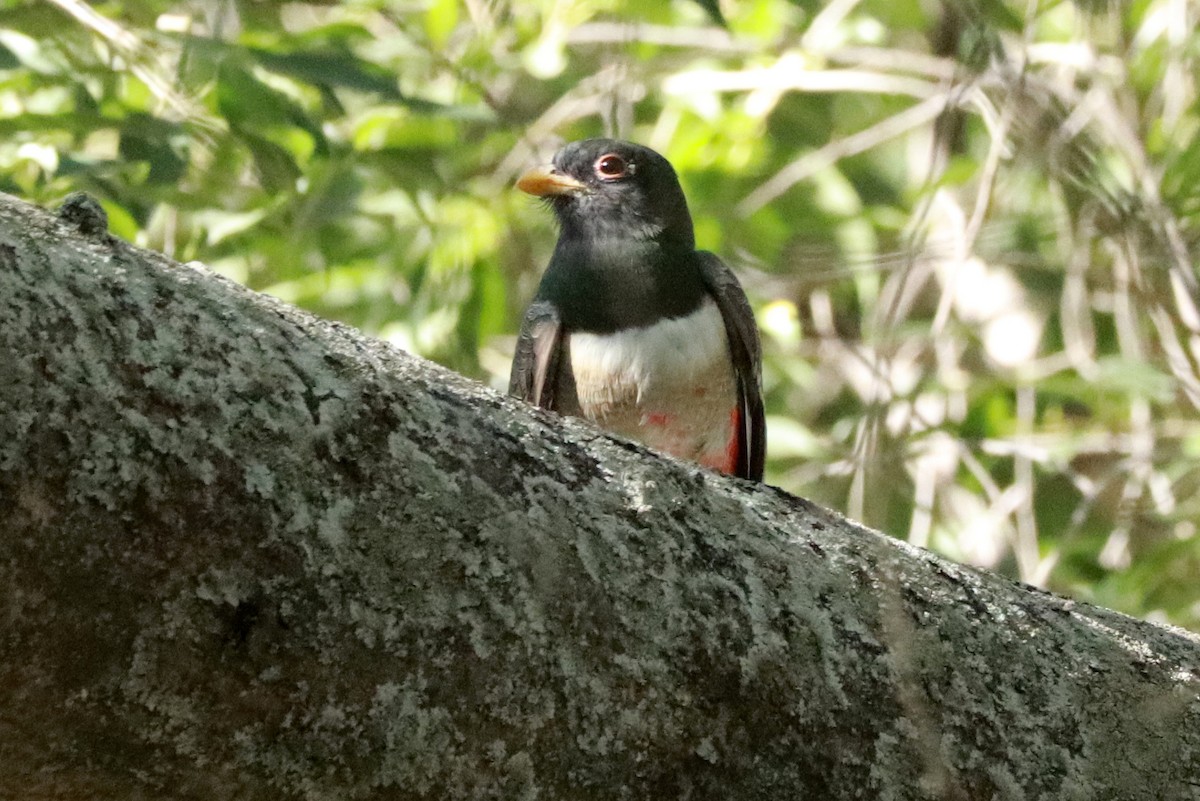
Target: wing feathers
746, 352
538, 356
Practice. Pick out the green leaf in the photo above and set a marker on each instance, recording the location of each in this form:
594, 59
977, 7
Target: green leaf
248, 103
1182, 180
331, 68
120, 222
713, 9
275, 165
440, 21
157, 142
1138, 379
8, 59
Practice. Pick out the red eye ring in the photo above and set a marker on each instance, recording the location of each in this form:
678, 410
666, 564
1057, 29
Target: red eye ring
610, 167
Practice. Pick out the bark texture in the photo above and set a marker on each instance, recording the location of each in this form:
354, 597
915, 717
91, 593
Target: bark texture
249, 554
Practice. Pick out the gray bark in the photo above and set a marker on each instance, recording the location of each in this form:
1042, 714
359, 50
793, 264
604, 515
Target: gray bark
249, 554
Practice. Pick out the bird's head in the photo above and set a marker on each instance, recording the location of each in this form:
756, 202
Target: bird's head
607, 188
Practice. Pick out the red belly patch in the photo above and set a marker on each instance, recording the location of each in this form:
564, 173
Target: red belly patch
726, 461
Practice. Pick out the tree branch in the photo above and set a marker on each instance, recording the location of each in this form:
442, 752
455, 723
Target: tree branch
249, 554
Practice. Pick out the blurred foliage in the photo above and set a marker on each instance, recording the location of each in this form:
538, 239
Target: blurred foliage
968, 228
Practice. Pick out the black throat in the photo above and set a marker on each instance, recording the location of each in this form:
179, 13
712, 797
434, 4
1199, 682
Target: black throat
609, 283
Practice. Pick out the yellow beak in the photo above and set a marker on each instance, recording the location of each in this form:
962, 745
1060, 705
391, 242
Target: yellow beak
545, 181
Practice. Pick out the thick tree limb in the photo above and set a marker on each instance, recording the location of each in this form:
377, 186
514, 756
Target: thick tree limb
247, 554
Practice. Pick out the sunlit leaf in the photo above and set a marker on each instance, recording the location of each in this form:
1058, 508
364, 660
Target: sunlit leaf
248, 103
8, 59
440, 20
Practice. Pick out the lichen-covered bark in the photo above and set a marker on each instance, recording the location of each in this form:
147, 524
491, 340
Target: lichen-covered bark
247, 554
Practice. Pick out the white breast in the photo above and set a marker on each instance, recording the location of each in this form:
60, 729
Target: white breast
669, 385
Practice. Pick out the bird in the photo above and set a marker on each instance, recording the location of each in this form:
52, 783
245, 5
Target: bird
632, 327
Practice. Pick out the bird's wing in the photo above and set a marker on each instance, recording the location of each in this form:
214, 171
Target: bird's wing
539, 354
746, 352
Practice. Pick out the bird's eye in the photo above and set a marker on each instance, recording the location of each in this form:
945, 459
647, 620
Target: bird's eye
610, 166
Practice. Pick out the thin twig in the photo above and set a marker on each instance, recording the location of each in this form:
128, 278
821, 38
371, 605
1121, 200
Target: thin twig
135, 52
790, 73
811, 163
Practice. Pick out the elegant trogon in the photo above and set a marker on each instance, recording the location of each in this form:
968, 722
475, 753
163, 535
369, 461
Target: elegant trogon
632, 327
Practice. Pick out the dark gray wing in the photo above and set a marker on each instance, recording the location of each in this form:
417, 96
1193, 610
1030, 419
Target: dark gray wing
746, 352
538, 358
